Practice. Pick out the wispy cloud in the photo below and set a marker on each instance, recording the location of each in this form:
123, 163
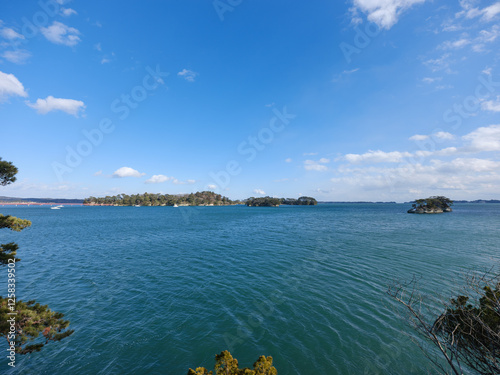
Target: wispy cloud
418, 137
431, 79
60, 33
187, 182
345, 73
49, 104
316, 165
259, 191
66, 12
188, 75
491, 105
157, 179
444, 135
441, 63
10, 34
377, 157
486, 14
17, 57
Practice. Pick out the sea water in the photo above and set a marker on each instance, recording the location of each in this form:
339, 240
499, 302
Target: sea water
157, 290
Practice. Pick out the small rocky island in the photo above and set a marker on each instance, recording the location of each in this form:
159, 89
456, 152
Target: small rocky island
431, 205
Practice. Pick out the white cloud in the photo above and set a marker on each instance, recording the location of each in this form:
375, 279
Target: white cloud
440, 63
259, 191
188, 75
187, 182
17, 57
105, 60
465, 176
385, 13
418, 137
444, 87
98, 47
60, 33
313, 165
10, 34
490, 12
431, 80
157, 179
212, 186
66, 12
487, 14
461, 165
429, 172
310, 153
288, 160
338, 77
491, 105
70, 106
485, 37
487, 71
456, 44
377, 157
10, 86
127, 172
483, 139
444, 135
98, 173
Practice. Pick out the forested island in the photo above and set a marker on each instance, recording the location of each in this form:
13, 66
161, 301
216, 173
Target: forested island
203, 198
431, 205
275, 202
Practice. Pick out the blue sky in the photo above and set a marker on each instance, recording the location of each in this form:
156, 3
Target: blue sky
385, 100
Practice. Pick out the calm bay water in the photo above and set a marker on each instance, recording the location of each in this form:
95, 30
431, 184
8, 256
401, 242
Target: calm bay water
156, 290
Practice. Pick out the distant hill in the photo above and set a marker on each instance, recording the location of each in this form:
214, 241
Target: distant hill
40, 200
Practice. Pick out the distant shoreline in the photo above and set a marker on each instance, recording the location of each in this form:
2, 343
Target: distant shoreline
73, 203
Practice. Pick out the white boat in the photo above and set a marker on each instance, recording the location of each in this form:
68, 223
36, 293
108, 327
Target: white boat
137, 205
60, 206
175, 205
55, 208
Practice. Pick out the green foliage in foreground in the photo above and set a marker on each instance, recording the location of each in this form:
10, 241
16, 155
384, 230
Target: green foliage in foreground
7, 172
33, 322
225, 364
433, 202
27, 326
13, 223
472, 330
8, 253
